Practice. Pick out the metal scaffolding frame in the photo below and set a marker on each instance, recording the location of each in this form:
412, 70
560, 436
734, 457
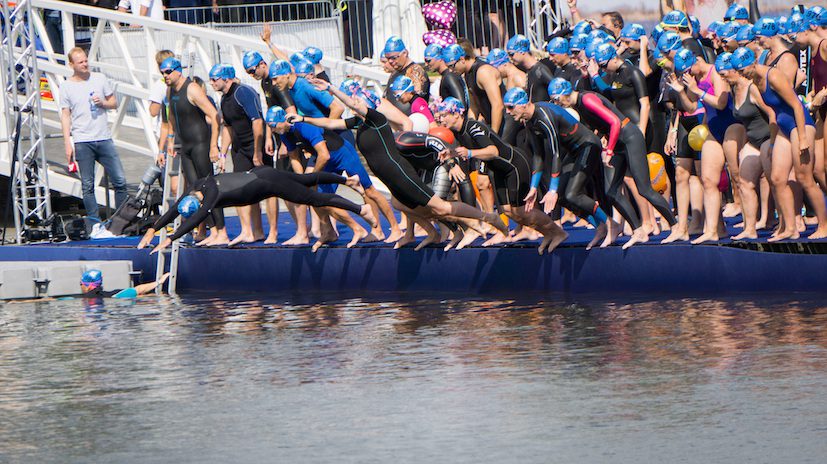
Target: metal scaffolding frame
21, 99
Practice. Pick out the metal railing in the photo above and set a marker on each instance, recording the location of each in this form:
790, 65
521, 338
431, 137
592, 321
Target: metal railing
122, 46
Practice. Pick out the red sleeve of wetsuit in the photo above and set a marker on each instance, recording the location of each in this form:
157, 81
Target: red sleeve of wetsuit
592, 103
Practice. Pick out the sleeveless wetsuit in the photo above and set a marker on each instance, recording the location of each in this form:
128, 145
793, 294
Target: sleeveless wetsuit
193, 133
453, 85
376, 143
240, 106
479, 94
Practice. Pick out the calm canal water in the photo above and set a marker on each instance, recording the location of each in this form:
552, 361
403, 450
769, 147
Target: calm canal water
414, 378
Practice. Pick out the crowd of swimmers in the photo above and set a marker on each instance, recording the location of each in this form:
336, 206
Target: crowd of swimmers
617, 129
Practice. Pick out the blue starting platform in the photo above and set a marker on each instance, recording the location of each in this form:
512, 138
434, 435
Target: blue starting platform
721, 267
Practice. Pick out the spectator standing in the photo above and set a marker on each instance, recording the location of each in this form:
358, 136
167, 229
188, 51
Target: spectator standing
84, 99
150, 8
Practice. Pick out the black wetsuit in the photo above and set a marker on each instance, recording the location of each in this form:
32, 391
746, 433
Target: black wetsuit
249, 187
754, 120
453, 85
539, 76
510, 171
420, 79
572, 73
479, 94
422, 151
627, 140
193, 133
626, 90
573, 154
696, 47
378, 146
240, 106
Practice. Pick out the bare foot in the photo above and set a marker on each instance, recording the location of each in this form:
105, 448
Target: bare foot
638, 236
431, 238
220, 240
763, 225
353, 182
367, 214
455, 239
584, 224
706, 237
612, 233
551, 240
468, 238
655, 228
799, 224
327, 237
406, 239
496, 239
272, 238
599, 235
745, 235
242, 238
394, 236
731, 210
676, 235
297, 240
784, 235
361, 235
494, 220
819, 233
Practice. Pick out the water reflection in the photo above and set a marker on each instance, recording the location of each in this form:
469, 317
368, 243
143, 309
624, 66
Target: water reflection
78, 376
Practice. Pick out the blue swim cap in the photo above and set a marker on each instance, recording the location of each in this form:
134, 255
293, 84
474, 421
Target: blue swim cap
559, 86
675, 18
251, 59
783, 22
656, 33
745, 34
765, 27
171, 63
729, 30
313, 54
280, 68
668, 42
222, 71
452, 53
450, 105
91, 279
696, 26
812, 14
275, 115
518, 44
684, 59
394, 44
742, 58
632, 32
714, 26
736, 12
558, 46
798, 23
599, 34
433, 52
304, 67
350, 87
401, 85
583, 27
723, 62
188, 206
604, 53
578, 42
515, 96
497, 57
591, 47
296, 58
821, 20
370, 98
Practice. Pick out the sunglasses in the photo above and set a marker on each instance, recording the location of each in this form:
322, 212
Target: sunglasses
251, 71
392, 58
167, 72
511, 54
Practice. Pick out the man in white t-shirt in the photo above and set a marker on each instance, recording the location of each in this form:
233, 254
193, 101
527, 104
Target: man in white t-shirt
151, 8
84, 99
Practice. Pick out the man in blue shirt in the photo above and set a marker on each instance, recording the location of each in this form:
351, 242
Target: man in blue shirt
309, 101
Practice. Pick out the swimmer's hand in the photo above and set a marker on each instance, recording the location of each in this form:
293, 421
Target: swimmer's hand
147, 238
672, 81
461, 152
161, 246
530, 199
320, 84
445, 155
549, 201
293, 118
456, 174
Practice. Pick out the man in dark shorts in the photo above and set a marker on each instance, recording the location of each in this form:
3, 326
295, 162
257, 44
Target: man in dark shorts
244, 130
